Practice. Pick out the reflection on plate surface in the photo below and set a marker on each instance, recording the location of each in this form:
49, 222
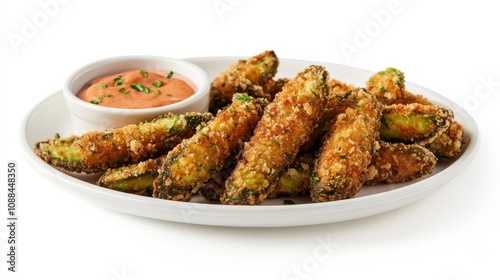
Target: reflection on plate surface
369, 201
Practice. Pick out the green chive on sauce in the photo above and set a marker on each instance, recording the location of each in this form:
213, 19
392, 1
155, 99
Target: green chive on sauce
140, 88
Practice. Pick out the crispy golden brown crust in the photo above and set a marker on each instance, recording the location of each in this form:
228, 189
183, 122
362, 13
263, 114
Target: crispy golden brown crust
338, 90
135, 178
96, 151
253, 76
414, 123
295, 180
341, 165
449, 143
283, 129
387, 86
398, 162
338, 87
195, 160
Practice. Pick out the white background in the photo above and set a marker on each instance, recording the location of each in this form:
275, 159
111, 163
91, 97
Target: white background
451, 48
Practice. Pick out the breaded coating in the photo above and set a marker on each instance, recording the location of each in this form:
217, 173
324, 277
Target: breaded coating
387, 86
252, 76
285, 126
341, 165
449, 143
398, 162
195, 160
96, 151
275, 86
135, 178
414, 123
338, 90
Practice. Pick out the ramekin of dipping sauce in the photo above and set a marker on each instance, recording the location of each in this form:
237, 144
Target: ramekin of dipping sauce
118, 91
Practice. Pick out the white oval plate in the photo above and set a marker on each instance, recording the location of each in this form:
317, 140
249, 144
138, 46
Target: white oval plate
51, 116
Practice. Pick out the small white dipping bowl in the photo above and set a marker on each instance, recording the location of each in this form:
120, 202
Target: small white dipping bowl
87, 116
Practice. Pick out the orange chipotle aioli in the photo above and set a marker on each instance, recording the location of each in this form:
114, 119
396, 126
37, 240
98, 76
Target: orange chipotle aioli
136, 89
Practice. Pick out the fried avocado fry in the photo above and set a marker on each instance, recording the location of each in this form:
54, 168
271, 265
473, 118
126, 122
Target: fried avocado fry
398, 162
449, 143
341, 165
253, 76
135, 178
387, 85
96, 151
196, 159
285, 126
414, 123
406, 123
391, 163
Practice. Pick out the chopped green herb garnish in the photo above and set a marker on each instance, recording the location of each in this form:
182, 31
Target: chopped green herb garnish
109, 95
242, 97
124, 91
170, 74
96, 101
158, 92
382, 89
102, 86
141, 88
119, 81
138, 87
107, 135
158, 83
90, 84
57, 136
288, 202
144, 73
